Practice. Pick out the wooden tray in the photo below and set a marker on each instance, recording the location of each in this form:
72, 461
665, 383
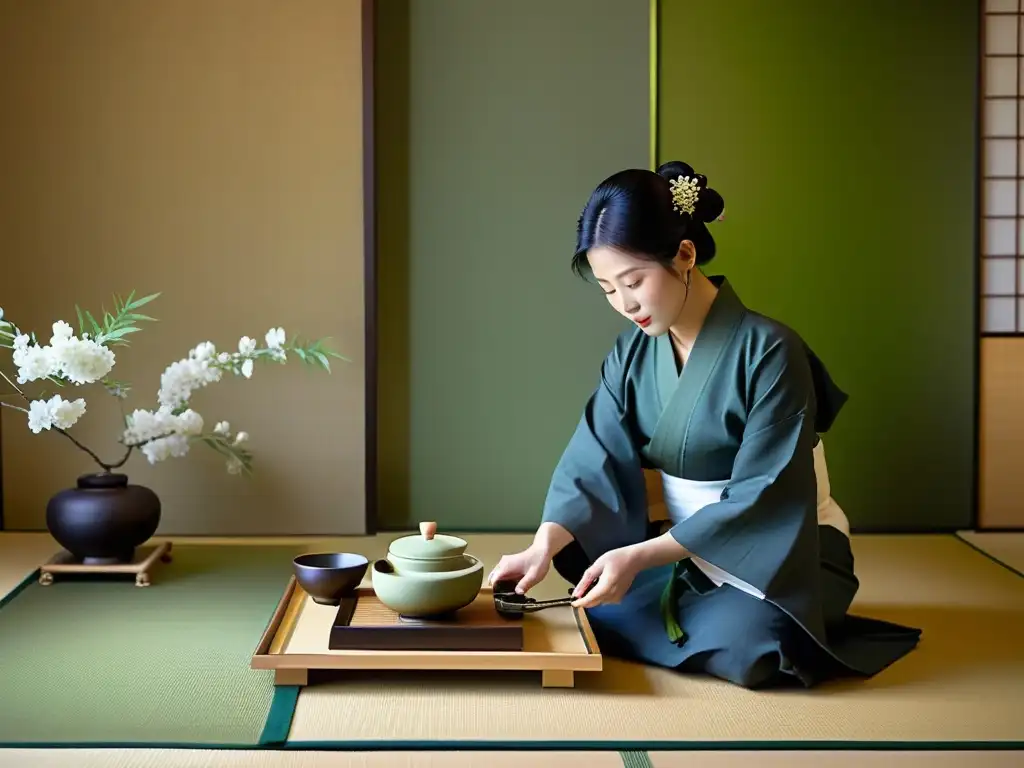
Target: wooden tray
145, 559
362, 621
557, 642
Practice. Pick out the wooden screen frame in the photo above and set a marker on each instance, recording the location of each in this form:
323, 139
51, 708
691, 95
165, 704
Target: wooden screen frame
370, 331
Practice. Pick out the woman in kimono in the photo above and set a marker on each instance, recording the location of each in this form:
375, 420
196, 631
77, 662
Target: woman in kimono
751, 577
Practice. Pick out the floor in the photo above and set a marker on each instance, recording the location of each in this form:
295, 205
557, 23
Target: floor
21, 553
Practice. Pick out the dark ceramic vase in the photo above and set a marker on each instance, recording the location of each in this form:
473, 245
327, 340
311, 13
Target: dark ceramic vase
103, 519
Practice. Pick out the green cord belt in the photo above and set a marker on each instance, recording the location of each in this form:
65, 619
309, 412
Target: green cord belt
670, 605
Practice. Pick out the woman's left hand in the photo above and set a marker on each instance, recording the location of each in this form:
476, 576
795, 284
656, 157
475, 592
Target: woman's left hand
614, 572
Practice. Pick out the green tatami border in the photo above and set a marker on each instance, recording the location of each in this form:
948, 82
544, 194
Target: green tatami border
557, 746
279, 718
21, 587
635, 760
658, 746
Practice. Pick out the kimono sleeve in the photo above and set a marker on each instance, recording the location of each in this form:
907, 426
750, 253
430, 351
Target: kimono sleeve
763, 531
597, 491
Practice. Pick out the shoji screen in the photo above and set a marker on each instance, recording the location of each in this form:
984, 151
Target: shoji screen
1003, 167
1001, 434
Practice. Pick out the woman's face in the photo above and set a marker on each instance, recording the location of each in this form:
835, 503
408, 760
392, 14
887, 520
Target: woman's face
641, 290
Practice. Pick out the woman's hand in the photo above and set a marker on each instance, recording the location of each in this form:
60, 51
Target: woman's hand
528, 568
531, 565
613, 572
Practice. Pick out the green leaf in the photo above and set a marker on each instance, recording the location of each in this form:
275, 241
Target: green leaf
215, 443
119, 389
117, 333
97, 331
140, 302
323, 361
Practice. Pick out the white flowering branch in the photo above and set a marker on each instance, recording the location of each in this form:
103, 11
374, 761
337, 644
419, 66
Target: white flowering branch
171, 429
97, 459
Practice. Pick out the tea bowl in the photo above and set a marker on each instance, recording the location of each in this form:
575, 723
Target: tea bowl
327, 577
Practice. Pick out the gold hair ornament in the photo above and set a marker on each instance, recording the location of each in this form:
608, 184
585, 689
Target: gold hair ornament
684, 194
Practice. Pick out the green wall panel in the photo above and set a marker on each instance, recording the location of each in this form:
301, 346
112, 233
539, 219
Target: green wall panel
391, 149
842, 136
495, 120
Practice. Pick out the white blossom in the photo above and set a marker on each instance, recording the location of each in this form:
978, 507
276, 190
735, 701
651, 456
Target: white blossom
182, 378
33, 362
148, 425
162, 434
61, 332
171, 429
204, 351
80, 361
66, 413
190, 423
55, 412
172, 446
39, 416
145, 426
275, 338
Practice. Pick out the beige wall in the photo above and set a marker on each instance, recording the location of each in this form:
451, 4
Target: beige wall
211, 150
1002, 433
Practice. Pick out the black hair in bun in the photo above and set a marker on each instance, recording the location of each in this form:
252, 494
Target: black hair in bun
710, 204
636, 211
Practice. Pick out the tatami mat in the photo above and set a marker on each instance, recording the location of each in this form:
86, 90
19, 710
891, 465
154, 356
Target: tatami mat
964, 683
1007, 548
20, 555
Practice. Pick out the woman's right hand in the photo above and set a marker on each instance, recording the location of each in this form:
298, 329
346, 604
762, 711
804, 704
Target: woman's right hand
528, 568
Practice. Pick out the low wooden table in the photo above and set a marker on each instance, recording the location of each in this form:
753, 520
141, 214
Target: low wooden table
557, 642
143, 562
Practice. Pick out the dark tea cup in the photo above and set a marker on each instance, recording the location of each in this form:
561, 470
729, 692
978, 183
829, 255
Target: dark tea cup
327, 577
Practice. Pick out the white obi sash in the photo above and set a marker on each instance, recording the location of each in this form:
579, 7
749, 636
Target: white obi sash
685, 498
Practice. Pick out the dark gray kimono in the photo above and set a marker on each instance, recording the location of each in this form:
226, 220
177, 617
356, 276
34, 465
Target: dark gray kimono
747, 408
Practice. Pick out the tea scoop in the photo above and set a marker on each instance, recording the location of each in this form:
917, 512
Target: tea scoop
509, 602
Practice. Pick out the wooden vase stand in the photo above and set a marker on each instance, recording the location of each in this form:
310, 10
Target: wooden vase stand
145, 559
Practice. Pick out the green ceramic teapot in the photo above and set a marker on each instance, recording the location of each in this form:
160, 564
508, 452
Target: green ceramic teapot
427, 575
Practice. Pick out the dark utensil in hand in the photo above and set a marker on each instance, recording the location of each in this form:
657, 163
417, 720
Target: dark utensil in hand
510, 604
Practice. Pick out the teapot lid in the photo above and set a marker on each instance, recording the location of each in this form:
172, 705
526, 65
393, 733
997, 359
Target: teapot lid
428, 545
